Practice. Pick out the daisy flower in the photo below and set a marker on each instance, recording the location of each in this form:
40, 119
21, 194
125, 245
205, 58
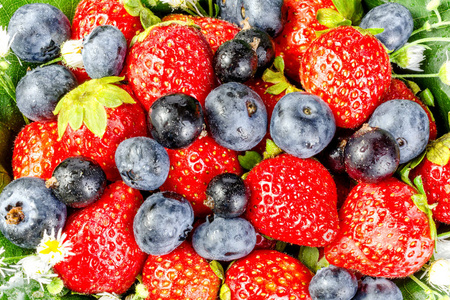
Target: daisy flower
33, 267
54, 249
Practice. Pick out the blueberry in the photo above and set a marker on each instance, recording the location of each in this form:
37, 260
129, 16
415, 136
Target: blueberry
162, 223
263, 14
104, 51
142, 162
27, 209
371, 155
176, 120
236, 115
378, 288
395, 19
78, 181
38, 92
224, 239
37, 31
332, 156
226, 195
302, 124
265, 49
408, 122
333, 283
235, 60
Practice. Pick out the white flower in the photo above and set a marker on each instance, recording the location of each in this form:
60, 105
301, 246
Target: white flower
3, 265
410, 57
433, 5
175, 3
439, 274
108, 296
35, 268
5, 42
71, 53
442, 250
54, 249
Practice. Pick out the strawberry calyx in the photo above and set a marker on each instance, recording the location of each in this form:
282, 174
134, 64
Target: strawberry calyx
348, 12
272, 149
143, 35
217, 269
276, 76
86, 105
438, 151
420, 200
249, 159
225, 292
136, 9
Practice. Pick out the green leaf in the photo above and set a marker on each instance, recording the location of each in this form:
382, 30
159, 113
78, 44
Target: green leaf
249, 160
438, 151
113, 96
95, 118
330, 17
217, 269
350, 9
75, 116
427, 97
225, 292
309, 256
418, 289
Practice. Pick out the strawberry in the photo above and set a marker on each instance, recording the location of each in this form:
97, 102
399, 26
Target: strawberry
37, 150
399, 90
298, 32
383, 233
293, 200
435, 172
106, 257
170, 58
192, 168
268, 274
113, 116
216, 31
181, 274
349, 70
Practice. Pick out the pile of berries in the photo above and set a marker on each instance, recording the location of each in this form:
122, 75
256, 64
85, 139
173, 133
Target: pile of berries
271, 141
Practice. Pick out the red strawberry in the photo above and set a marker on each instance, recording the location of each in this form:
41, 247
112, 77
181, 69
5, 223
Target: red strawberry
106, 257
293, 200
181, 274
383, 233
350, 71
216, 31
299, 31
435, 172
268, 274
37, 150
192, 168
399, 90
170, 58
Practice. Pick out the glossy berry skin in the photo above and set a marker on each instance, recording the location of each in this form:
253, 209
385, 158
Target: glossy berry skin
235, 60
268, 274
265, 49
302, 124
350, 71
378, 288
104, 51
332, 156
333, 283
78, 181
38, 29
181, 274
371, 155
293, 200
38, 92
411, 130
171, 59
162, 223
382, 232
226, 195
224, 239
103, 244
175, 120
395, 19
236, 116
192, 168
27, 209
142, 162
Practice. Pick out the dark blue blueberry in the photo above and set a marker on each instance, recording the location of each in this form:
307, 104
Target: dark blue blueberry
226, 195
78, 181
162, 223
38, 92
142, 162
235, 60
37, 31
333, 283
27, 209
408, 122
332, 156
104, 51
224, 239
176, 120
265, 49
263, 14
236, 116
396, 20
378, 288
302, 124
371, 155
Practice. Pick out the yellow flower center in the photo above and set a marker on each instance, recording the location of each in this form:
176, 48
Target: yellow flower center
51, 246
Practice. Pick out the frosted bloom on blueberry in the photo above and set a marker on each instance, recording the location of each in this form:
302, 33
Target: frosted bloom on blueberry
54, 248
439, 275
35, 268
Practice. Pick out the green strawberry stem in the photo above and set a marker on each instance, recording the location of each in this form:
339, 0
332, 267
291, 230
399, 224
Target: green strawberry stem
444, 235
14, 258
425, 287
420, 200
420, 41
427, 26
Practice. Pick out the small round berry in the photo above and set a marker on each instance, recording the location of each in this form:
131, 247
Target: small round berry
378, 288
333, 283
